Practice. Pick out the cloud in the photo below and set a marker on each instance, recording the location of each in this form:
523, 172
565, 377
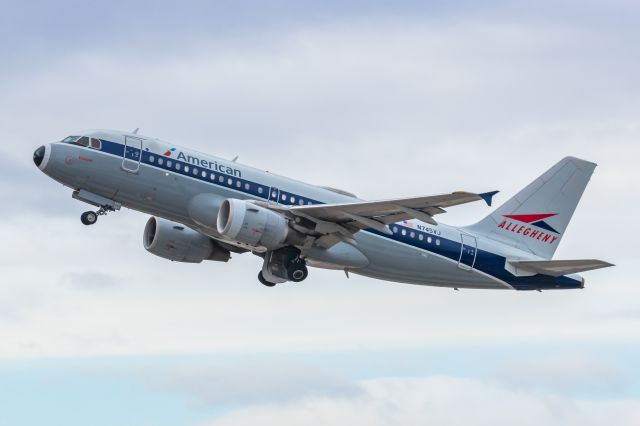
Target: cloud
438, 401
89, 280
558, 372
250, 383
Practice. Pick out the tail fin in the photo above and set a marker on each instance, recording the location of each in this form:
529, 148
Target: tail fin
536, 217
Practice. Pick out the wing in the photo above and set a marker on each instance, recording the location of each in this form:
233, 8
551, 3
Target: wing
557, 268
331, 223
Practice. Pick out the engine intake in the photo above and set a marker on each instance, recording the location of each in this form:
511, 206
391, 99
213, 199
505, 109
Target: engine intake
256, 226
174, 241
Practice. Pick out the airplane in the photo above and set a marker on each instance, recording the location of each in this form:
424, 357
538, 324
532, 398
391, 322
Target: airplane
205, 208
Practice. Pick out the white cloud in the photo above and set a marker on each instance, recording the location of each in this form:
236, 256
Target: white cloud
439, 401
565, 372
241, 384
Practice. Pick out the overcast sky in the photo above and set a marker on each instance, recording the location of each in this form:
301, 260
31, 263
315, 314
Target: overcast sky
465, 96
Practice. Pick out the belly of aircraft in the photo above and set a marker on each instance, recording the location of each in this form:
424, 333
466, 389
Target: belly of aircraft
397, 262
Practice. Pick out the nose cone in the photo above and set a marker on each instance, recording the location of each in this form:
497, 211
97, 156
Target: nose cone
38, 155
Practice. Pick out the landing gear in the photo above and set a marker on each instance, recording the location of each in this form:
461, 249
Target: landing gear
297, 270
105, 205
263, 281
282, 265
89, 218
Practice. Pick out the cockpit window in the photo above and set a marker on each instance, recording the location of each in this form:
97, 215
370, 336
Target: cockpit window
77, 140
83, 141
96, 143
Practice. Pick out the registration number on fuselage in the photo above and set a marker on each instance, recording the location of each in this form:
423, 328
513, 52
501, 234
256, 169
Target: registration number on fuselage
428, 230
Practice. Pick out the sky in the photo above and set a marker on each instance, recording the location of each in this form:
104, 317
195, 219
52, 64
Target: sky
448, 95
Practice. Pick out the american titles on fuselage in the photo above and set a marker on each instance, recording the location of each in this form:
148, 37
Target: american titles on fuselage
212, 165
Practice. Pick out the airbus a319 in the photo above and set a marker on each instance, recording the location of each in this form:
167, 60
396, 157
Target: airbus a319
205, 208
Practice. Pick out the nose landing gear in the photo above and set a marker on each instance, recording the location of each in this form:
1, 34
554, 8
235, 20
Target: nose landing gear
89, 218
105, 205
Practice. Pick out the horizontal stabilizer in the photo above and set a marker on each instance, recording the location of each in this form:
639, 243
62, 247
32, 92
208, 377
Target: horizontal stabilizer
557, 268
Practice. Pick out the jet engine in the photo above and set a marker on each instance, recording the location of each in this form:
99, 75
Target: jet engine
179, 243
254, 225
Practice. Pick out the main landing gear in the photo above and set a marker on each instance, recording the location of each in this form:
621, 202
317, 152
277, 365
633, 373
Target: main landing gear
283, 265
297, 270
263, 281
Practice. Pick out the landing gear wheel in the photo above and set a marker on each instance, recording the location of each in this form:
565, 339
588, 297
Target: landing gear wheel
263, 281
297, 271
89, 218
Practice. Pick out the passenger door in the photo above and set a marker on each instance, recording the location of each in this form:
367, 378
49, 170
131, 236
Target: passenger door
468, 251
132, 154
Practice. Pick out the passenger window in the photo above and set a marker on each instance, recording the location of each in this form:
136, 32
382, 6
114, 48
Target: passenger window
259, 190
301, 202
429, 240
213, 176
221, 178
204, 174
412, 234
96, 143
195, 171
186, 169
437, 242
404, 232
247, 186
421, 237
152, 159
395, 229
230, 181
239, 184
160, 161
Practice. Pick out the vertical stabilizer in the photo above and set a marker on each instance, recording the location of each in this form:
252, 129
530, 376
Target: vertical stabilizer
536, 218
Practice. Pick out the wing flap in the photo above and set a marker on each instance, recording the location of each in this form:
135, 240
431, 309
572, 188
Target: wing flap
421, 208
557, 268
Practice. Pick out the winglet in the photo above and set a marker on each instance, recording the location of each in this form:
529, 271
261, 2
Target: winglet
488, 196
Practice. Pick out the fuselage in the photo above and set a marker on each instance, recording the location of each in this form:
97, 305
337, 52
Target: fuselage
161, 179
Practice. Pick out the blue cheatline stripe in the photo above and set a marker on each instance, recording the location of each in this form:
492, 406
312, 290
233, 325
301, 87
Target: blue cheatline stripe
489, 263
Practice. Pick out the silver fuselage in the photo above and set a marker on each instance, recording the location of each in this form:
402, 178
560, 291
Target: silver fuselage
136, 173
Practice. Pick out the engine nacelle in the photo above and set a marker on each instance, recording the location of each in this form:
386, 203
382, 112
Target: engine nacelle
179, 243
250, 224
203, 210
